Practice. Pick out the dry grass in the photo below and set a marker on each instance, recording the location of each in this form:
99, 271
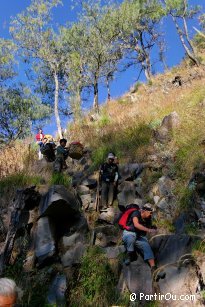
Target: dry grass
17, 157
147, 107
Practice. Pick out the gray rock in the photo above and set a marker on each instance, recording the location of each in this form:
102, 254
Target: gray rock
169, 248
86, 200
80, 225
128, 170
163, 205
83, 160
179, 281
180, 223
73, 255
108, 216
83, 190
101, 239
171, 121
114, 251
136, 278
156, 199
60, 203
165, 186
56, 294
127, 195
107, 230
44, 240
90, 183
68, 241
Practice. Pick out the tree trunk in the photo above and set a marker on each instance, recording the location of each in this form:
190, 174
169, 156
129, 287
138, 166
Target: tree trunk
56, 111
190, 54
146, 63
95, 102
108, 89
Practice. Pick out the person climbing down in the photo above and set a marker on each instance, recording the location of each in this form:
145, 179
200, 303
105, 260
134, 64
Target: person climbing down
137, 225
61, 155
47, 149
39, 140
108, 179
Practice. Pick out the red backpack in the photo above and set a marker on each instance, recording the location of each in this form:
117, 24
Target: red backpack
126, 214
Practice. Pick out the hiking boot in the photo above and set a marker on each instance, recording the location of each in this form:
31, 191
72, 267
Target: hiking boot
129, 258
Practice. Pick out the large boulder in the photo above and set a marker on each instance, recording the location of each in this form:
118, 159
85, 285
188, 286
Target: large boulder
180, 286
44, 240
56, 294
109, 216
60, 202
73, 255
128, 193
169, 122
169, 248
107, 235
130, 171
136, 278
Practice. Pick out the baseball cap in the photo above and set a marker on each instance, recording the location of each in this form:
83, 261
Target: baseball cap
110, 156
147, 207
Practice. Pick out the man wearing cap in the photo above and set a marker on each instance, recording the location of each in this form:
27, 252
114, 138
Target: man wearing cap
108, 178
139, 223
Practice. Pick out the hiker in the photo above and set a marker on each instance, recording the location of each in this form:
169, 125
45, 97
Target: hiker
39, 140
108, 179
136, 226
8, 292
47, 149
61, 155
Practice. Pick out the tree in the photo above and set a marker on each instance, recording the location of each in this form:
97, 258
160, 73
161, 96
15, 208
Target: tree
139, 22
38, 43
18, 109
95, 41
7, 49
180, 12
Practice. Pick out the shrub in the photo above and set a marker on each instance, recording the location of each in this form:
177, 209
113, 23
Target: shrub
95, 284
19, 180
61, 179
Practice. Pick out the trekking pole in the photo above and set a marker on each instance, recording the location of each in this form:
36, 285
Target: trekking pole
97, 200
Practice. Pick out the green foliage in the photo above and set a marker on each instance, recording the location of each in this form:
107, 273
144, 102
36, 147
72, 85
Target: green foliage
19, 180
154, 124
185, 197
7, 49
35, 286
103, 121
153, 177
164, 223
199, 246
95, 284
18, 108
61, 179
123, 142
99, 155
191, 228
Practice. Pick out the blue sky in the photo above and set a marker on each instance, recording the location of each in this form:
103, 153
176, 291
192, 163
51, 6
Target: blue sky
123, 81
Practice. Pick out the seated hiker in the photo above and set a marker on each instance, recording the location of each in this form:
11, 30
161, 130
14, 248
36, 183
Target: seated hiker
108, 178
48, 149
62, 153
39, 140
8, 292
136, 226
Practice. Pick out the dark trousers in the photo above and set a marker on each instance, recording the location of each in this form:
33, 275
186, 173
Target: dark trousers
107, 193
